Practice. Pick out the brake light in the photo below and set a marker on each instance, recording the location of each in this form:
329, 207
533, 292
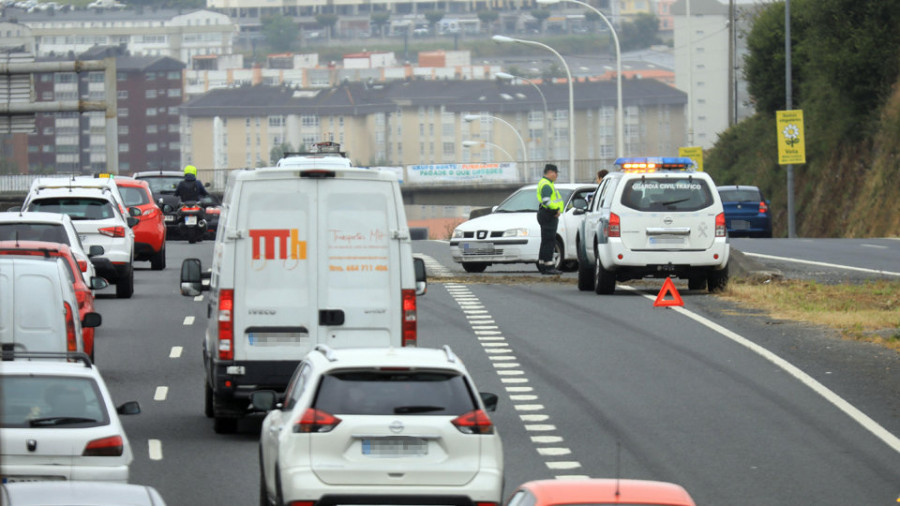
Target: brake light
613, 227
763, 208
226, 325
486, 504
409, 318
474, 422
151, 212
112, 446
71, 342
82, 264
113, 231
314, 420
720, 225
301, 503
81, 297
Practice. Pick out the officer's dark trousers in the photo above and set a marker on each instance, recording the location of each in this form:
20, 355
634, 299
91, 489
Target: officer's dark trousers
548, 221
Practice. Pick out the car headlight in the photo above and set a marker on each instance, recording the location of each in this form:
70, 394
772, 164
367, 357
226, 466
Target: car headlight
516, 232
457, 234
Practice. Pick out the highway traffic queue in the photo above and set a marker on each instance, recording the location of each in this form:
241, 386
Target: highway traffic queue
313, 321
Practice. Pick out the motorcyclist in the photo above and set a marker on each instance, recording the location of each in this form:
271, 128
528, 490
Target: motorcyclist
190, 189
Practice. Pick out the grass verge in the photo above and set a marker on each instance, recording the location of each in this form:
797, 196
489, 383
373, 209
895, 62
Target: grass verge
867, 311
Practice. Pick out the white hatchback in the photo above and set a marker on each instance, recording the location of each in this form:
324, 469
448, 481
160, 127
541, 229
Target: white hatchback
511, 234
58, 421
380, 426
50, 227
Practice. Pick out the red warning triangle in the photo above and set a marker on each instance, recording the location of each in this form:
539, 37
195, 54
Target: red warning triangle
668, 288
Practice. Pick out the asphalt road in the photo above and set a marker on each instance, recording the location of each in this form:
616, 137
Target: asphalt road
589, 385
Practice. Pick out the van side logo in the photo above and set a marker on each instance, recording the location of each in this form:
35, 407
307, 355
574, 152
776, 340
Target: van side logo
289, 246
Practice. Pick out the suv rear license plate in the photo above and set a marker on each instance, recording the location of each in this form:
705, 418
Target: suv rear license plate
395, 447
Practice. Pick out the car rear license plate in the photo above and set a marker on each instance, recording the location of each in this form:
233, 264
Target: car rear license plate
740, 224
474, 247
190, 220
24, 479
394, 447
170, 217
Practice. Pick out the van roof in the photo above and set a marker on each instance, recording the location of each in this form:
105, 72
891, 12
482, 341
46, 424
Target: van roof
319, 171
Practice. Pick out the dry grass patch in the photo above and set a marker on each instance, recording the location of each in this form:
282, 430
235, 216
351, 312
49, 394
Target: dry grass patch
867, 311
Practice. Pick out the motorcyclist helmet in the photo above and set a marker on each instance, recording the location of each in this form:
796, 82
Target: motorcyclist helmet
190, 169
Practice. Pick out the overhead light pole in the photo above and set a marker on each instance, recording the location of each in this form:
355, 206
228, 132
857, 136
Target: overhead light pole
509, 77
503, 38
620, 112
472, 117
471, 143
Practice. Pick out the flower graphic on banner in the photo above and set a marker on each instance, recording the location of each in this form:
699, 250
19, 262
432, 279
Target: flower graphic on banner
791, 135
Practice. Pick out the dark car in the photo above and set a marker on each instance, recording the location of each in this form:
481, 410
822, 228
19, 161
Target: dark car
162, 185
746, 211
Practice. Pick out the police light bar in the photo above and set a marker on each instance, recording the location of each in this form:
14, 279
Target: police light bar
654, 163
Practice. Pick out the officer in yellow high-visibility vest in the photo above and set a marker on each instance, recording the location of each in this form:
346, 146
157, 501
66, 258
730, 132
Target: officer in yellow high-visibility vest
549, 210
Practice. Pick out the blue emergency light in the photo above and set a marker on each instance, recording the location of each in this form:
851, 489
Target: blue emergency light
654, 163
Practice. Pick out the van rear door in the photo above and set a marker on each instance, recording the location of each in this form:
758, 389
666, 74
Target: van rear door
315, 264
32, 315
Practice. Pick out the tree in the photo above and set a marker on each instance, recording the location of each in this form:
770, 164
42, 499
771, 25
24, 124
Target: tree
327, 22
433, 18
380, 20
592, 19
280, 32
540, 15
277, 152
764, 63
488, 18
641, 32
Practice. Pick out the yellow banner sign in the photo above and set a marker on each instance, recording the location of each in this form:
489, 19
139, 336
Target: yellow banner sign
695, 153
791, 140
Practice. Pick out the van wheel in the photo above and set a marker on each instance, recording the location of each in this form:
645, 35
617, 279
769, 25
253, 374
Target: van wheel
208, 400
717, 280
585, 273
475, 266
158, 260
125, 284
225, 425
604, 280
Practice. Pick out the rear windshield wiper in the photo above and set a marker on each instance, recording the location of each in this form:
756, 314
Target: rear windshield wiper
59, 420
399, 410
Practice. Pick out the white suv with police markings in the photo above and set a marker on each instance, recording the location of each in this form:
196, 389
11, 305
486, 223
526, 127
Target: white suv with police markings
653, 217
379, 426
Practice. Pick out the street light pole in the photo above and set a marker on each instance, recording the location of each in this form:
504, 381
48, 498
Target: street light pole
503, 38
470, 143
473, 117
620, 112
510, 77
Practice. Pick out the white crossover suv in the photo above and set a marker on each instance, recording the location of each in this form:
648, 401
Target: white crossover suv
653, 217
379, 426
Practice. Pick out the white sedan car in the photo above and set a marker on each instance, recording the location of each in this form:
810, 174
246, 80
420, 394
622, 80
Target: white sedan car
510, 233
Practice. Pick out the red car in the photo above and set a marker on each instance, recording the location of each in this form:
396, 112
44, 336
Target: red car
150, 232
83, 292
597, 492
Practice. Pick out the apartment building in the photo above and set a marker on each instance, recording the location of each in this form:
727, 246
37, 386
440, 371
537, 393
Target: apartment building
424, 121
149, 93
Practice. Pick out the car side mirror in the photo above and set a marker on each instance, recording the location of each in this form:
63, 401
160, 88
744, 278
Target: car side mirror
134, 211
192, 277
95, 250
91, 320
421, 276
129, 408
98, 283
132, 221
490, 400
263, 400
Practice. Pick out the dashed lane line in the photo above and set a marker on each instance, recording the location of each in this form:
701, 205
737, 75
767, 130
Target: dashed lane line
161, 393
154, 447
176, 352
188, 320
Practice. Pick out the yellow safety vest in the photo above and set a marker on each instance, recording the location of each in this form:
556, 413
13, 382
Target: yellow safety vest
556, 202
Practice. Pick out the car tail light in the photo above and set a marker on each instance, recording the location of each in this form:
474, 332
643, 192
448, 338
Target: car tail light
409, 318
112, 446
151, 212
614, 227
720, 225
82, 264
301, 503
81, 297
763, 208
113, 231
314, 420
226, 325
486, 504
474, 422
71, 342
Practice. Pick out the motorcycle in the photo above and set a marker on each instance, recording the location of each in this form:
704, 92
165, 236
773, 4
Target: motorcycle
191, 220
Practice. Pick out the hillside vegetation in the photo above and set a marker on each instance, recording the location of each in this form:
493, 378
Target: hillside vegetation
845, 63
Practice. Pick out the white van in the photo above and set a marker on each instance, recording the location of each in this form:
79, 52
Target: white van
310, 252
39, 310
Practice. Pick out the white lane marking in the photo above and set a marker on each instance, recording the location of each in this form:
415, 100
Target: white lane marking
540, 427
514, 380
519, 389
523, 398
572, 477
824, 264
485, 327
480, 317
488, 333
474, 311
529, 407
188, 320
534, 418
876, 246
504, 365
491, 338
546, 439
176, 352
502, 357
161, 393
499, 350
154, 446
563, 465
554, 452
851, 411
495, 345
198, 298
510, 373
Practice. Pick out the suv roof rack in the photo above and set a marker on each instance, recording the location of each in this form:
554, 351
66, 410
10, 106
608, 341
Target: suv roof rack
9, 354
451, 357
326, 350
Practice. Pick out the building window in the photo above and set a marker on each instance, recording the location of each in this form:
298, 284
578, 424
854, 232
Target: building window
151, 129
122, 112
152, 148
150, 94
151, 111
122, 94
123, 129
123, 147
